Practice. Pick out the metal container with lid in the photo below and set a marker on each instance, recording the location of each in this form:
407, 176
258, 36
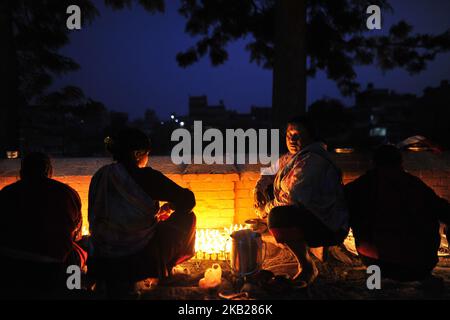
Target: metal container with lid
247, 252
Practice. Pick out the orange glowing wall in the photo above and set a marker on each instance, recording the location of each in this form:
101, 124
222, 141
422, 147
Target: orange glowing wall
222, 199
224, 194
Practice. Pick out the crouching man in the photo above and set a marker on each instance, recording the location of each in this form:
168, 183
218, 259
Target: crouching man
395, 219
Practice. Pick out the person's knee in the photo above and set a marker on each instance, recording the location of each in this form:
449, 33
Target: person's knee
281, 226
192, 218
188, 220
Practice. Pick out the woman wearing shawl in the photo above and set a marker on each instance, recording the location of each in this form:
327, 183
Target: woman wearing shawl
132, 237
302, 198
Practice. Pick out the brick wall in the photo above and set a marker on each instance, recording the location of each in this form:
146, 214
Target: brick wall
224, 193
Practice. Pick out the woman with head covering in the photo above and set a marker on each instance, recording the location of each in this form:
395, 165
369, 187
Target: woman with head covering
303, 198
132, 237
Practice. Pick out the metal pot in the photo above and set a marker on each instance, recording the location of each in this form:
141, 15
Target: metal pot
247, 252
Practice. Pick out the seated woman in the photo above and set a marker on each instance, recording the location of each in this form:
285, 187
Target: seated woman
308, 206
132, 238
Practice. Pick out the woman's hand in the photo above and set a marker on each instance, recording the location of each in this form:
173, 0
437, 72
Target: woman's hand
261, 213
259, 200
165, 211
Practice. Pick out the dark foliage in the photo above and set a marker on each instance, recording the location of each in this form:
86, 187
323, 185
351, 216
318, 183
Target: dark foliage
337, 38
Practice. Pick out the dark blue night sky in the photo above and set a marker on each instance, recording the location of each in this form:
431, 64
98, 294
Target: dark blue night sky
128, 62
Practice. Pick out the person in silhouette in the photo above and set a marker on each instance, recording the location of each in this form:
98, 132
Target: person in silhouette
40, 223
395, 218
132, 237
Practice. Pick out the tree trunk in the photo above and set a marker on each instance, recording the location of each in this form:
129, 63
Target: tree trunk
289, 72
9, 82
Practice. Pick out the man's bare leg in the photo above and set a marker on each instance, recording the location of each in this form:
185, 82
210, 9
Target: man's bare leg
307, 270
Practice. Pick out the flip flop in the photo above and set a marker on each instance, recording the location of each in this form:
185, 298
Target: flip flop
234, 296
300, 284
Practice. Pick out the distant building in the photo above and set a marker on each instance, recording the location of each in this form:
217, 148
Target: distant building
262, 115
42, 129
199, 108
64, 130
385, 115
218, 116
432, 114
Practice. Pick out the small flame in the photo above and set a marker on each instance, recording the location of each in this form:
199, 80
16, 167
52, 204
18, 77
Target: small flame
208, 242
85, 230
215, 242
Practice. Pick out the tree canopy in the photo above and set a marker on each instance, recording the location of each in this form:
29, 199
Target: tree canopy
39, 32
337, 38
333, 37
298, 38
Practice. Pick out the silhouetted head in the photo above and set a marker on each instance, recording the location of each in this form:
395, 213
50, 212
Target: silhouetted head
388, 156
36, 165
299, 133
129, 146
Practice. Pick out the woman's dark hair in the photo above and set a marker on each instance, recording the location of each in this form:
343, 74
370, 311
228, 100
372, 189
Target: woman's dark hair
387, 156
122, 143
306, 123
35, 165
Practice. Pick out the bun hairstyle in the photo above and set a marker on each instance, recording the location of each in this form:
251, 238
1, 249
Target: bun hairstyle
121, 144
